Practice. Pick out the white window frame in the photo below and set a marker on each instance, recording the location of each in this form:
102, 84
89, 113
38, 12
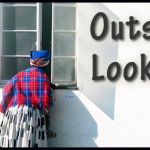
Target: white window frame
61, 83
38, 30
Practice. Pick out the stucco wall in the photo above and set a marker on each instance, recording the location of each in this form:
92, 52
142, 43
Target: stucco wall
80, 123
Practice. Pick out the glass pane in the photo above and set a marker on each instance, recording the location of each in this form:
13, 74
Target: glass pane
18, 43
64, 44
19, 18
64, 69
64, 18
66, 3
17, 3
11, 66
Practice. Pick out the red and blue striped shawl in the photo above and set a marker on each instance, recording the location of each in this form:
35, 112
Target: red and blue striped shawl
29, 87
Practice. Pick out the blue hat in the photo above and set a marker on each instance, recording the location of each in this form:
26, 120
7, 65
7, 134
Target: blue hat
39, 58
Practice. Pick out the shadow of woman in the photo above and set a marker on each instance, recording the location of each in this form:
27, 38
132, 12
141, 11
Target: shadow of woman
71, 121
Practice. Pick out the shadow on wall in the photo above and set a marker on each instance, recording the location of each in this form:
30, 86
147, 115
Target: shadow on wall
100, 92
71, 121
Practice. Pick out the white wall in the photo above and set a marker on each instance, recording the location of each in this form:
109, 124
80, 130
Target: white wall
80, 123
132, 101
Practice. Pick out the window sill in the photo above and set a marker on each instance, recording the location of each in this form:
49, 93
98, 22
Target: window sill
1, 86
74, 87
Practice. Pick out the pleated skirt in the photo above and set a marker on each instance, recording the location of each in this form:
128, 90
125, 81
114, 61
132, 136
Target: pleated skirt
23, 127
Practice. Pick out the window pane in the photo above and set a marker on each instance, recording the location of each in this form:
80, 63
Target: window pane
18, 43
64, 44
17, 3
64, 69
66, 3
19, 18
64, 18
11, 66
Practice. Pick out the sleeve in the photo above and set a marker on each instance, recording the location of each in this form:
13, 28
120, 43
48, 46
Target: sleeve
6, 96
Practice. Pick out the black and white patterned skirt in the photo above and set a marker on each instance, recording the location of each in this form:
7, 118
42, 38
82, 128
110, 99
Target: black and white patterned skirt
23, 127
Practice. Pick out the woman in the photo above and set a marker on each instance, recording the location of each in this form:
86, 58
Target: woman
24, 107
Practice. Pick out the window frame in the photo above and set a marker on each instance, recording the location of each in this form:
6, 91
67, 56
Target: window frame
38, 31
61, 84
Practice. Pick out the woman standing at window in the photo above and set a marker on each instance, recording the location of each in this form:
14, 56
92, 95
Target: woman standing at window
24, 107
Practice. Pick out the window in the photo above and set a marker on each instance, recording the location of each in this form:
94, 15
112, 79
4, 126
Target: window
63, 70
28, 26
20, 33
